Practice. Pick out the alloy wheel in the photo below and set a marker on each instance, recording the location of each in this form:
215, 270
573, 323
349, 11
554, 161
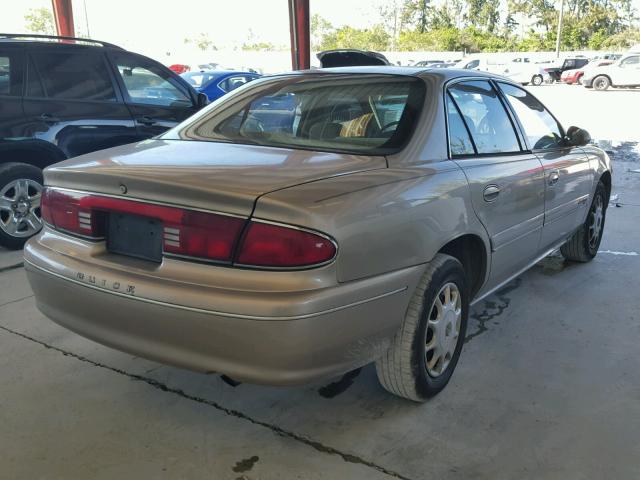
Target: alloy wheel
443, 329
20, 208
596, 216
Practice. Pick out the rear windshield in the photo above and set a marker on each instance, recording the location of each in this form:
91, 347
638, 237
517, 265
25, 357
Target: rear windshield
366, 114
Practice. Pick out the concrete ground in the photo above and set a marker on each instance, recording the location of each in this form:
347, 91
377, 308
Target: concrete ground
548, 385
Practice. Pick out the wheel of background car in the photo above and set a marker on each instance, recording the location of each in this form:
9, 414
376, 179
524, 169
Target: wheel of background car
584, 243
601, 82
20, 191
425, 351
536, 80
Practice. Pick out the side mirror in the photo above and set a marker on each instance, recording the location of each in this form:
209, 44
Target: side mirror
202, 100
578, 137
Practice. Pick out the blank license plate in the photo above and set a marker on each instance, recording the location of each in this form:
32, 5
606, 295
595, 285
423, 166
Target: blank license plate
135, 236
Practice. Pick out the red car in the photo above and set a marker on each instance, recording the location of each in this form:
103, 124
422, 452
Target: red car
573, 76
179, 68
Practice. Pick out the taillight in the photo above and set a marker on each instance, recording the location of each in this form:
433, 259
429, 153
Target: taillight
65, 211
268, 245
190, 233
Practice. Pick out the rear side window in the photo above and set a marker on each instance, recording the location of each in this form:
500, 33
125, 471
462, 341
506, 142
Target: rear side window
541, 129
74, 76
459, 140
5, 75
369, 114
9, 75
485, 116
147, 84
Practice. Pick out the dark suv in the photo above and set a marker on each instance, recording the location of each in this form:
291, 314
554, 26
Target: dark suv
61, 97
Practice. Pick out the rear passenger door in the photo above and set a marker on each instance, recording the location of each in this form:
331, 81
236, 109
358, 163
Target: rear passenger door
506, 181
155, 98
71, 101
569, 179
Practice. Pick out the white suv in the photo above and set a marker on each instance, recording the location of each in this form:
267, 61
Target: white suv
623, 73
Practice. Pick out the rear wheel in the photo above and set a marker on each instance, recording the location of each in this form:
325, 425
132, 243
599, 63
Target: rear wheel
584, 243
425, 351
20, 191
536, 80
601, 82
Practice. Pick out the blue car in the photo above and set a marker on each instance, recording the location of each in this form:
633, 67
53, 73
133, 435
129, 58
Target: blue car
215, 83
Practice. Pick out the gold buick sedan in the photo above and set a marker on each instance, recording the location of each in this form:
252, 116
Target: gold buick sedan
311, 223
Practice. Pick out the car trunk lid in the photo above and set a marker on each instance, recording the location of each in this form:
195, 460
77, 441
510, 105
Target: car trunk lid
205, 175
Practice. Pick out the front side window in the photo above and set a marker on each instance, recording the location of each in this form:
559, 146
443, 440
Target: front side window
372, 114
541, 129
198, 79
473, 64
631, 61
488, 121
148, 84
231, 83
73, 76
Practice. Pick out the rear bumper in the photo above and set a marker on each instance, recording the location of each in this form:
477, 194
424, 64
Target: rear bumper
587, 82
258, 336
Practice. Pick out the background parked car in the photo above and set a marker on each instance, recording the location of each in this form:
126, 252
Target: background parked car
63, 99
179, 68
556, 69
216, 83
427, 63
623, 73
526, 73
575, 75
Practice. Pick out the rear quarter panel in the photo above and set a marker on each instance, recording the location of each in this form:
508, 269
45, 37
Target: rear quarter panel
382, 220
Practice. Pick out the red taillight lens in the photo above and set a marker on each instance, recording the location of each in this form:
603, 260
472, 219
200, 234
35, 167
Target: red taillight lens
203, 235
266, 245
65, 211
190, 233
186, 232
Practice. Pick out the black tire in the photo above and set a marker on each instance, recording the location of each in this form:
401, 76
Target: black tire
582, 246
403, 369
601, 82
536, 80
10, 172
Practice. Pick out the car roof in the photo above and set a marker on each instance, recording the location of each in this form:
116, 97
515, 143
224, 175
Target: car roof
444, 73
220, 73
54, 40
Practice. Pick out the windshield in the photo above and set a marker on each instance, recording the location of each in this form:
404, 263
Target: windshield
198, 79
369, 114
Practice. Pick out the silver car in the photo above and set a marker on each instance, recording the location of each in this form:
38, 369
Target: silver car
311, 223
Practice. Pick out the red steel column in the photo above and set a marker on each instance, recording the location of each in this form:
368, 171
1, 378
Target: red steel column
63, 13
300, 34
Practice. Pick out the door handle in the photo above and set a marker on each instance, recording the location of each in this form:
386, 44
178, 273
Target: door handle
490, 193
146, 121
47, 118
553, 178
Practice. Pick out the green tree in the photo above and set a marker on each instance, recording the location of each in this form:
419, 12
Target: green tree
319, 28
40, 20
375, 38
202, 42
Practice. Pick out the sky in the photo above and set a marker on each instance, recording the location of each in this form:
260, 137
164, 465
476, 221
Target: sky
144, 23
159, 27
